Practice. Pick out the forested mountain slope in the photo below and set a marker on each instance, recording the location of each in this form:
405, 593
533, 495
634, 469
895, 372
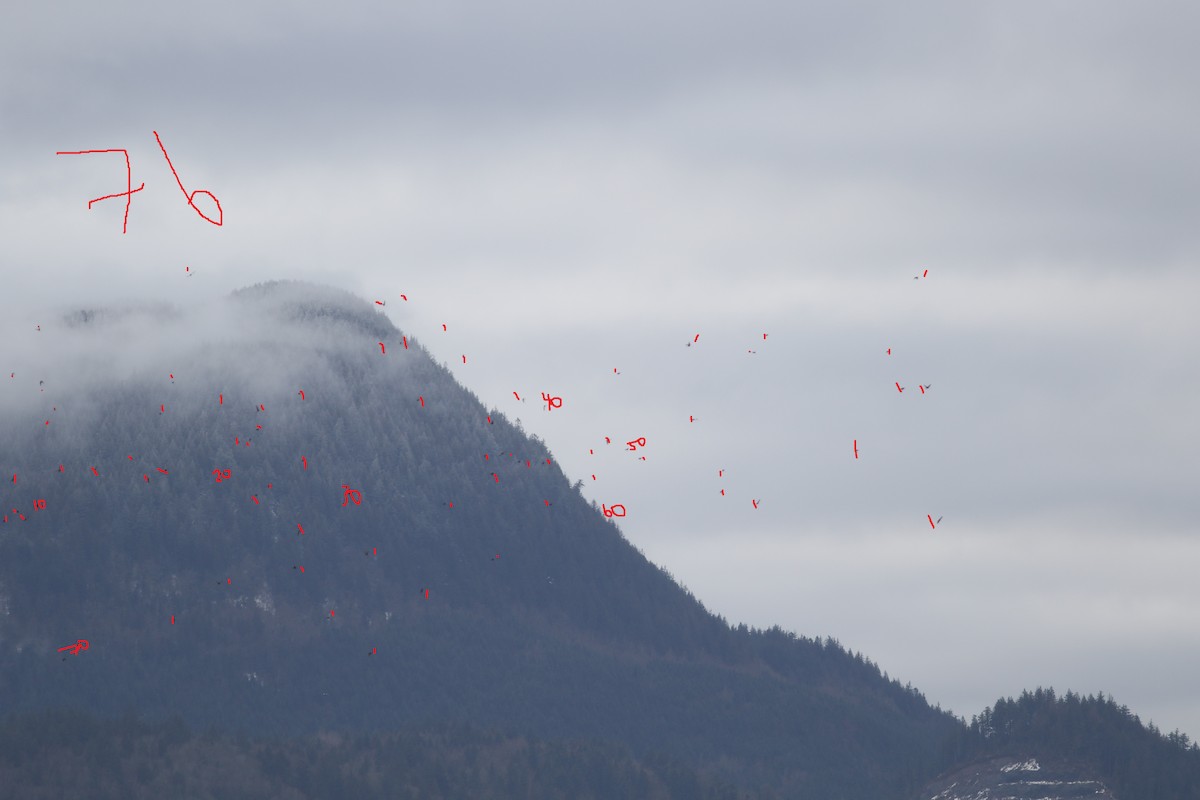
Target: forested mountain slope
280, 515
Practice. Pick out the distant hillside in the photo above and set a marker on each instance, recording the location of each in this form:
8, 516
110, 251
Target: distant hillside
55, 755
376, 554
1073, 743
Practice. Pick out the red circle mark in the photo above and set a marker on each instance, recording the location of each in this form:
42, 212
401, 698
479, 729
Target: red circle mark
220, 214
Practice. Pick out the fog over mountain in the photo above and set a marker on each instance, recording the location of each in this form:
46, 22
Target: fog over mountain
278, 514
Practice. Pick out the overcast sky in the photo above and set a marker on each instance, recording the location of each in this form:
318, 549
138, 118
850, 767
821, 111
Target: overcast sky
573, 189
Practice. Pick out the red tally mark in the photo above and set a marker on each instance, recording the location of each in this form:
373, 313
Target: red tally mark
300, 528
380, 303
95, 472
220, 399
899, 388
382, 349
304, 460
405, 342
464, 359
516, 395
301, 394
856, 448
172, 619
755, 502
422, 399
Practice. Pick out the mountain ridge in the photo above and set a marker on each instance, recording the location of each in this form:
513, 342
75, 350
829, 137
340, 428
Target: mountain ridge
189, 583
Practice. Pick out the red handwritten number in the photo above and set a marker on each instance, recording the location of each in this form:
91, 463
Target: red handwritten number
634, 444
38, 505
222, 475
129, 190
80, 644
191, 198
551, 402
351, 495
612, 512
